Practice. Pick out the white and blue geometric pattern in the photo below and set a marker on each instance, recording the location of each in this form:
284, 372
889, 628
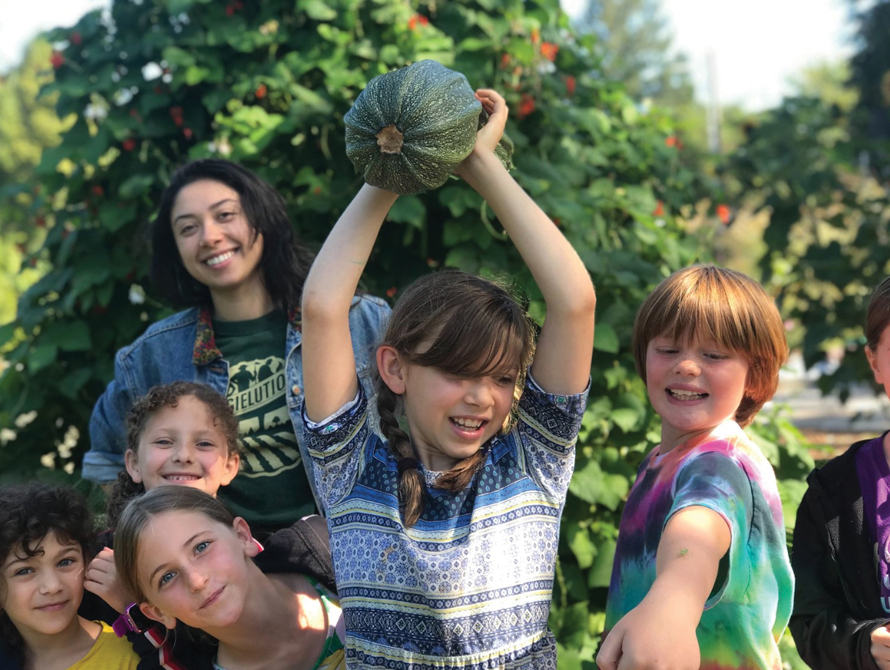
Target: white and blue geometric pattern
469, 585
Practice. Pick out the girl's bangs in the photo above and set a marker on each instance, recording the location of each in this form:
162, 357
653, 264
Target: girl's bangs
477, 344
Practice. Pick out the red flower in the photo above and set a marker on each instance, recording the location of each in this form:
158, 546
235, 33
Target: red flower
549, 50
571, 82
57, 60
724, 213
176, 115
670, 141
76, 39
230, 10
526, 105
391, 291
129, 144
659, 209
417, 19
536, 35
261, 91
187, 132
98, 190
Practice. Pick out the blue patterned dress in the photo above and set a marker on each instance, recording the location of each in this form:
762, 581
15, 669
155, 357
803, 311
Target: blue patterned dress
469, 585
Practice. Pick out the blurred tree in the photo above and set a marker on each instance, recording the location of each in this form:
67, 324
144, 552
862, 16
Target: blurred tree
635, 45
828, 82
28, 125
871, 76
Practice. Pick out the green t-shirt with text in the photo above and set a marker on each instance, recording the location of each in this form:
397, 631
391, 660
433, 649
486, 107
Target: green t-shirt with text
271, 490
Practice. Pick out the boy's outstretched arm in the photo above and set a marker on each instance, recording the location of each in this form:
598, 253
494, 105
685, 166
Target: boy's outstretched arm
329, 377
660, 631
565, 345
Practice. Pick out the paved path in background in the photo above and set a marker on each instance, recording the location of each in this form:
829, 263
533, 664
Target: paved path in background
865, 412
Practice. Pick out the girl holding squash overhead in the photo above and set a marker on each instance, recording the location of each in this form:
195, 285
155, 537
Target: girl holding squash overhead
444, 531
224, 247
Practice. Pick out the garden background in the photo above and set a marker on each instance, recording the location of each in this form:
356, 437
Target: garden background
609, 140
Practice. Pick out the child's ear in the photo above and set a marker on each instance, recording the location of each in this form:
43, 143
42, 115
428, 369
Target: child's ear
873, 364
233, 462
155, 614
242, 530
391, 368
131, 461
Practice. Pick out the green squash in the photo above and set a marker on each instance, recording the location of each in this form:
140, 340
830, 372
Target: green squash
410, 128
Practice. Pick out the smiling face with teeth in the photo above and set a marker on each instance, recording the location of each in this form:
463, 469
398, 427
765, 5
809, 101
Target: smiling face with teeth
217, 244
450, 417
183, 445
693, 386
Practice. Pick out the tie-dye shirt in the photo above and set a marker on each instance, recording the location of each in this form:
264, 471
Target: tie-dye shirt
751, 604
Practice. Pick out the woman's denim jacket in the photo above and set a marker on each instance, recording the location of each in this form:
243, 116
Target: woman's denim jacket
182, 347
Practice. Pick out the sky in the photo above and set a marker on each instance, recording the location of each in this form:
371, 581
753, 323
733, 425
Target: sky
756, 45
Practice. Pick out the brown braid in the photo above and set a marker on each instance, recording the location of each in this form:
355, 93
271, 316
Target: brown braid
458, 478
461, 324
412, 488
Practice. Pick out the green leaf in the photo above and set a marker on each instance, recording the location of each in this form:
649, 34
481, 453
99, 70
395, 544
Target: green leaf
316, 9
408, 209
626, 419
473, 44
136, 185
179, 57
195, 74
601, 573
606, 339
581, 545
66, 335
72, 383
114, 215
7, 332
41, 356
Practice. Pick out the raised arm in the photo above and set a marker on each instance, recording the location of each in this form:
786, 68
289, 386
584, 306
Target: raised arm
660, 631
329, 377
562, 357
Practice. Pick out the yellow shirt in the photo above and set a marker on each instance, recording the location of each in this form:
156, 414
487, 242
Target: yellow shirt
109, 652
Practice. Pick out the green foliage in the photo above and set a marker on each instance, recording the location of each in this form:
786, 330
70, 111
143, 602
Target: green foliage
267, 84
871, 76
828, 226
28, 125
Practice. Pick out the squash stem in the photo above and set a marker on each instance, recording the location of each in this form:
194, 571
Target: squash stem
390, 140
